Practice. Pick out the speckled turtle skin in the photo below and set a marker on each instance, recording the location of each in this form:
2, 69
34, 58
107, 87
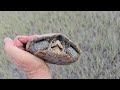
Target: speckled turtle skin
54, 48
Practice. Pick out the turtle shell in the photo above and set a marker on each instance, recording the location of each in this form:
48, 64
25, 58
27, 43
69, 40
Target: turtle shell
54, 48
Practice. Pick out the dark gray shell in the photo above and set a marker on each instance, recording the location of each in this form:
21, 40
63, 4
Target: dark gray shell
41, 47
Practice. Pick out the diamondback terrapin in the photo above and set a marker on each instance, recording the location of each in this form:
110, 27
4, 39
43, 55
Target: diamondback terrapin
54, 48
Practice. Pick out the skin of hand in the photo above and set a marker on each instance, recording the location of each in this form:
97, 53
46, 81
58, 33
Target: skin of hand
34, 67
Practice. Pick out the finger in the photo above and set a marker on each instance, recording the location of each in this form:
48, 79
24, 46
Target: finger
8, 41
20, 40
23, 39
17, 43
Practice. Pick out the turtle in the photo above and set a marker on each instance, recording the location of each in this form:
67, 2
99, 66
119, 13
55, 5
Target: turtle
54, 48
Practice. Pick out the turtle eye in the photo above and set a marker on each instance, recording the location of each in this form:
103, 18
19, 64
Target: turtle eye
42, 45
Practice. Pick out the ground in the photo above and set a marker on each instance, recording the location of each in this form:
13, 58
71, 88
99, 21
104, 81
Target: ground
97, 33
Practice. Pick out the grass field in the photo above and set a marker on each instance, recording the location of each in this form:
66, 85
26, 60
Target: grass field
96, 33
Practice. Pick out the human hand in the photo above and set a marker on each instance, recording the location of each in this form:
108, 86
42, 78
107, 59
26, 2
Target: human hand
34, 67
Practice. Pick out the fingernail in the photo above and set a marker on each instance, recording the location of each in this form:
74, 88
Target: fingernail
7, 39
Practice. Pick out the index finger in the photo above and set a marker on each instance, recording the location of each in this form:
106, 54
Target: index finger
19, 40
25, 39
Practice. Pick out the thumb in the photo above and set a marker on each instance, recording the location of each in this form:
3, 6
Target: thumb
8, 41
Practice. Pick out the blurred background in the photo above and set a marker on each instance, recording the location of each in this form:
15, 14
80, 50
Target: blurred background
97, 33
